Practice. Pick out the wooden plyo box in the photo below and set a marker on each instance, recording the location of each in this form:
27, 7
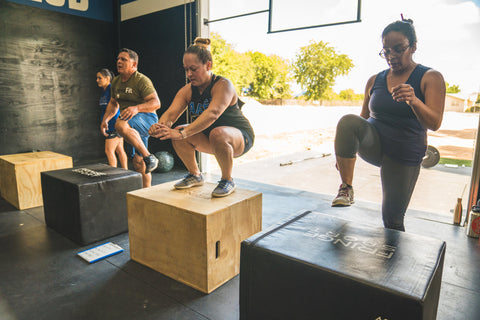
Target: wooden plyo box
189, 236
20, 182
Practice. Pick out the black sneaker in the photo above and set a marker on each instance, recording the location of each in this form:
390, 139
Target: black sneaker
151, 163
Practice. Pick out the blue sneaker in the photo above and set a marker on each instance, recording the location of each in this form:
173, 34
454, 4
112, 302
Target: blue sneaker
189, 181
224, 188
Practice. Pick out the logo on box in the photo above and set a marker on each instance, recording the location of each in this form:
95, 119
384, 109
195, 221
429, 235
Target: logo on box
354, 243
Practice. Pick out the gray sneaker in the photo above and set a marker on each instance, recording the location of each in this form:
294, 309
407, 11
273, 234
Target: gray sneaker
344, 197
224, 188
189, 181
151, 163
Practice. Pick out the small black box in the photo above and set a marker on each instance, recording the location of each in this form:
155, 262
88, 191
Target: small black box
315, 266
87, 204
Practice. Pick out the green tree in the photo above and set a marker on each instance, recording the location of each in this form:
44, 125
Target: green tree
350, 95
330, 95
271, 76
316, 66
452, 89
236, 67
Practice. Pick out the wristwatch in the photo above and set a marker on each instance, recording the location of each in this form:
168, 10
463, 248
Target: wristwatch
183, 133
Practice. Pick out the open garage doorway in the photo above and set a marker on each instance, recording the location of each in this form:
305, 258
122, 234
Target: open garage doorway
294, 138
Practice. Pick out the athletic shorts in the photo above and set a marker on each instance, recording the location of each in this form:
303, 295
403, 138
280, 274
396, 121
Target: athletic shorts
246, 138
142, 122
248, 141
112, 135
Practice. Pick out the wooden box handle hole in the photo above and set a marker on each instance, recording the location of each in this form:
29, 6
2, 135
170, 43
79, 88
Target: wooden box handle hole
217, 249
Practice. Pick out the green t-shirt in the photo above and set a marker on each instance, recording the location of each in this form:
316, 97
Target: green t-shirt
133, 91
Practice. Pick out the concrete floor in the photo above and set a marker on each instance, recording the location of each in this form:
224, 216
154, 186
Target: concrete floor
437, 188
42, 278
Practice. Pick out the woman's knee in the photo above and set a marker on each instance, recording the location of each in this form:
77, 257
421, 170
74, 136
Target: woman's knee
110, 153
218, 136
349, 121
109, 149
119, 148
346, 140
348, 126
226, 141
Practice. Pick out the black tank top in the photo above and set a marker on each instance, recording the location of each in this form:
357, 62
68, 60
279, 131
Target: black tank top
403, 137
231, 117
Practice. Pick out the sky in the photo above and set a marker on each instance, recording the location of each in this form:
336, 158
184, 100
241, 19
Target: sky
448, 34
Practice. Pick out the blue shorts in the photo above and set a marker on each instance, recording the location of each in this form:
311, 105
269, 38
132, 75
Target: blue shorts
142, 122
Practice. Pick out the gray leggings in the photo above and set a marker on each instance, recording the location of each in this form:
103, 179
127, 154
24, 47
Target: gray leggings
357, 135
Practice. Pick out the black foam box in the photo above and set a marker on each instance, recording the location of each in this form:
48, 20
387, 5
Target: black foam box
315, 266
87, 204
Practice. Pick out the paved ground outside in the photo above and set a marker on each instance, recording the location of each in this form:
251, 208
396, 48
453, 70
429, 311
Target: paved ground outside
294, 148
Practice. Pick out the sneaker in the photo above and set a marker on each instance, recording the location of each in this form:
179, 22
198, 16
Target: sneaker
151, 163
190, 180
344, 197
224, 188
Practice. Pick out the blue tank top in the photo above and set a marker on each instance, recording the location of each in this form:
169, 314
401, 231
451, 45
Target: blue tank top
402, 136
104, 99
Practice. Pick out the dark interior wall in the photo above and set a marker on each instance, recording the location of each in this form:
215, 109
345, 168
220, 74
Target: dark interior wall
48, 94
159, 40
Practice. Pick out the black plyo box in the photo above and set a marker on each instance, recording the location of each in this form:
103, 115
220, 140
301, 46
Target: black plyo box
315, 266
87, 204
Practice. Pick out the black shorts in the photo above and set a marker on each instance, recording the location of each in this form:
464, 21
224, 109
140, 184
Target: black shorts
248, 141
112, 135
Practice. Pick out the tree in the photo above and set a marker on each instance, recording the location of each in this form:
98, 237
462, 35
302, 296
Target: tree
452, 89
263, 77
330, 95
316, 67
347, 94
271, 76
350, 95
236, 67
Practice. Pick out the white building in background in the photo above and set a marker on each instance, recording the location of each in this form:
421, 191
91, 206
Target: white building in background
459, 102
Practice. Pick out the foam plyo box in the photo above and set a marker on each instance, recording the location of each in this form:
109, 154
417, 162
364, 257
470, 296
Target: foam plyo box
87, 204
316, 266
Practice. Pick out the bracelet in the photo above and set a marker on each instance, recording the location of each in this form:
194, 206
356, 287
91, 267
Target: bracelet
183, 133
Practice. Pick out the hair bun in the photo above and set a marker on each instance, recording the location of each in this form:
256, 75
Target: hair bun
202, 42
